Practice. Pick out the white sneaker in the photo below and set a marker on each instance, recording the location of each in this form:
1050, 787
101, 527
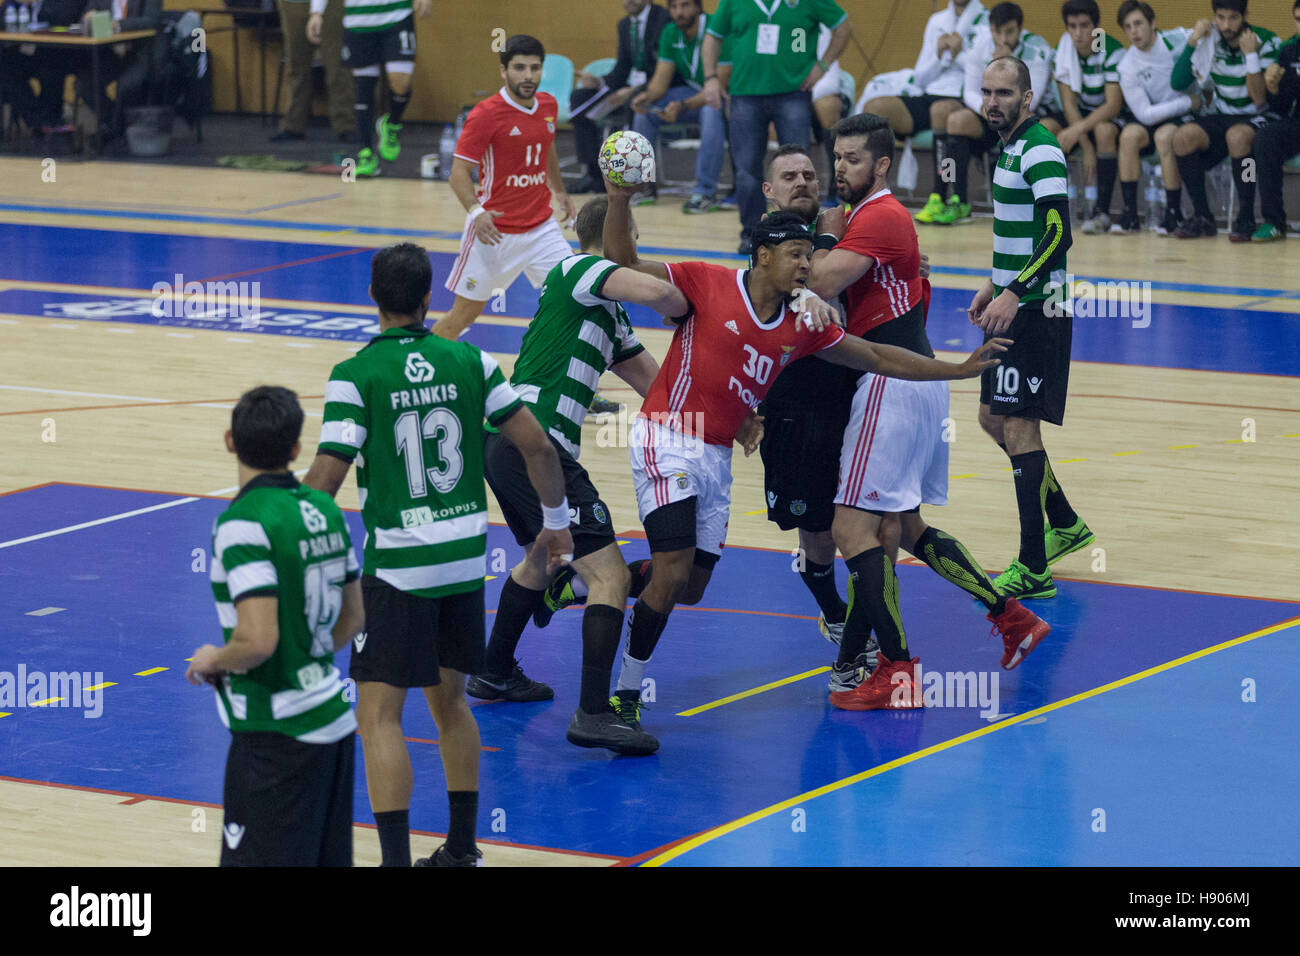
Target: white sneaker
835, 634
848, 676
1097, 225
832, 632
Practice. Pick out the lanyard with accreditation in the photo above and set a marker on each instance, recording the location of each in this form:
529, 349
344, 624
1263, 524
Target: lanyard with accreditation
769, 34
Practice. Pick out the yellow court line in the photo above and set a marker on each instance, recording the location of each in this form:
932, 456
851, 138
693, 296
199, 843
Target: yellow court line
752, 691
710, 835
107, 683
6, 713
1120, 453
151, 671
1066, 461
955, 477
758, 512
1175, 447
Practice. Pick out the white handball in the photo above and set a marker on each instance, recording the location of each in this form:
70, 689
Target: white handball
628, 159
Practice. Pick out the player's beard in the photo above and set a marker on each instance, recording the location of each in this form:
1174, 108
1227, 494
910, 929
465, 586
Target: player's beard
854, 196
517, 90
806, 206
1007, 122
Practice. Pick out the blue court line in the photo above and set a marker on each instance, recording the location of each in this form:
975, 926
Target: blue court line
650, 250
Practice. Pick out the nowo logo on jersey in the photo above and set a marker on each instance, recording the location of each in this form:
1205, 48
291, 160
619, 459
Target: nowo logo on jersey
536, 179
312, 519
418, 368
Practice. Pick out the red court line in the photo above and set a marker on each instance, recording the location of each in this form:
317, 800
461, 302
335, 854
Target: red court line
16, 491
648, 854
134, 798
289, 265
427, 740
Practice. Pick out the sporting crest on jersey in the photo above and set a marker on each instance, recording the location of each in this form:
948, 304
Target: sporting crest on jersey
798, 507
598, 511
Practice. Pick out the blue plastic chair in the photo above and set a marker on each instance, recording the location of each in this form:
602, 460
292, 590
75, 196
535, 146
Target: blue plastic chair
557, 79
600, 67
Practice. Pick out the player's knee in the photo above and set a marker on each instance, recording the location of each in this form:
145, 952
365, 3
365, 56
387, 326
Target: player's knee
1105, 137
1240, 140
963, 123
1133, 136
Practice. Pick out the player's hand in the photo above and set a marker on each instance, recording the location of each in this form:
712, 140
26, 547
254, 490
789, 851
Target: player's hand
641, 103
1248, 42
978, 304
750, 433
832, 221
1273, 77
997, 317
671, 111
421, 8
713, 92
486, 229
954, 43
984, 357
1198, 102
814, 313
557, 545
616, 191
925, 266
1068, 138
567, 211
815, 74
619, 97
1000, 49
1200, 31
314, 22
202, 669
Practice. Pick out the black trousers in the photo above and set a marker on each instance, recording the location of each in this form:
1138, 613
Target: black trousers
586, 132
1275, 144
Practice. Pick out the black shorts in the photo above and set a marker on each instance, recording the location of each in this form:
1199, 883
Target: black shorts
1034, 377
1126, 119
1047, 112
1216, 127
408, 637
507, 474
918, 107
801, 451
287, 803
396, 44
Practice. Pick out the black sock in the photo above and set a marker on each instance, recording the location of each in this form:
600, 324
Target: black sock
397, 105
1174, 200
820, 580
957, 148
640, 571
363, 105
1107, 170
643, 630
513, 611
873, 589
1130, 193
464, 810
1055, 504
602, 626
949, 559
937, 155
1192, 169
1244, 169
1030, 473
394, 828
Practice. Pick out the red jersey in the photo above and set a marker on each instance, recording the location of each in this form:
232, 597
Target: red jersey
510, 145
723, 359
880, 227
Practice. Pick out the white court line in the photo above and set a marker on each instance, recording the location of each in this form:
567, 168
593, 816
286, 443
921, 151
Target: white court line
64, 391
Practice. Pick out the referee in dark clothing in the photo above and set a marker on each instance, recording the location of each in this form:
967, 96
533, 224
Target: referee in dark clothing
1279, 140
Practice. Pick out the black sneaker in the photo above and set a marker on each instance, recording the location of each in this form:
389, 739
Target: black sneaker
1128, 223
441, 857
1173, 219
558, 594
627, 705
515, 686
1242, 229
1198, 227
607, 729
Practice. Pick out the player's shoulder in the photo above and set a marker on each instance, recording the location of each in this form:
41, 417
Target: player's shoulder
546, 103
701, 272
1113, 48
1032, 43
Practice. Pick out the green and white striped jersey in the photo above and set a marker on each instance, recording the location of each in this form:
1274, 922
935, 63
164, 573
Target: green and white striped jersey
1228, 75
1099, 69
576, 334
409, 408
369, 16
1030, 171
281, 539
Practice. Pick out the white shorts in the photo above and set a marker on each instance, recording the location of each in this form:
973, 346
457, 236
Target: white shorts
482, 271
894, 455
829, 85
669, 466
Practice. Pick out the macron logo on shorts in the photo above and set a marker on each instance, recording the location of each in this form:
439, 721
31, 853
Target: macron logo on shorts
233, 833
360, 642
1034, 384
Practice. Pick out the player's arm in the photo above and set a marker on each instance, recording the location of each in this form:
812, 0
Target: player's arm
1069, 103
640, 288
463, 187
252, 642
327, 473
616, 239
896, 362
543, 465
352, 616
556, 181
1047, 256
710, 50
639, 371
1107, 111
835, 271
1255, 85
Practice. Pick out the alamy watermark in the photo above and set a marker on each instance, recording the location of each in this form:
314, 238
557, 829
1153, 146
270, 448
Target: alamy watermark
1103, 299
948, 689
34, 688
206, 300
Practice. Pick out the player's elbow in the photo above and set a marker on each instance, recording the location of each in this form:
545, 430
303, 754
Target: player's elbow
259, 641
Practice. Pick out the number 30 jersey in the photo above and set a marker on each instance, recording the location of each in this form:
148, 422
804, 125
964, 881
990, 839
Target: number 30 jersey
409, 408
723, 359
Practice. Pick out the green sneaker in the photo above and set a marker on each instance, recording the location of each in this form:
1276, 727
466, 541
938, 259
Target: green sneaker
389, 147
627, 704
557, 596
954, 211
1267, 233
933, 206
367, 163
1017, 582
1063, 541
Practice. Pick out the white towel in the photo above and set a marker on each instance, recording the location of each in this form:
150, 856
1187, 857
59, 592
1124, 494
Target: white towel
962, 24
1203, 57
1068, 68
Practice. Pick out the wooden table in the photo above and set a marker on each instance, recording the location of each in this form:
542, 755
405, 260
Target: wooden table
68, 38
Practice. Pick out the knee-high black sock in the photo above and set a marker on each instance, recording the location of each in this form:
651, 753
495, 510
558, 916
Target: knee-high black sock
1174, 200
1055, 504
602, 626
397, 105
957, 148
1192, 169
464, 810
394, 828
872, 582
820, 580
363, 105
1030, 473
1130, 193
640, 571
1107, 170
513, 611
644, 627
1245, 186
949, 559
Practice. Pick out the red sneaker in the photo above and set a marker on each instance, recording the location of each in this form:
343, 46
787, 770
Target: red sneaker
891, 686
1021, 630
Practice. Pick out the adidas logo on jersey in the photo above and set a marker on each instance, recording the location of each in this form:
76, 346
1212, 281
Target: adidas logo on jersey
731, 324
234, 833
515, 132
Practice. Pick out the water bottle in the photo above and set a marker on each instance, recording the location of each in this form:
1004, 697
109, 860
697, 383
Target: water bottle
1072, 193
11, 19
1155, 187
24, 18
446, 149
1090, 201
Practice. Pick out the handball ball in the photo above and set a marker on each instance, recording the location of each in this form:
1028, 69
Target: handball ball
628, 159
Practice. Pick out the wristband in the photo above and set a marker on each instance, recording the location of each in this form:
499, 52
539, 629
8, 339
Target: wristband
1252, 63
825, 68
825, 240
713, 77
475, 211
557, 518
